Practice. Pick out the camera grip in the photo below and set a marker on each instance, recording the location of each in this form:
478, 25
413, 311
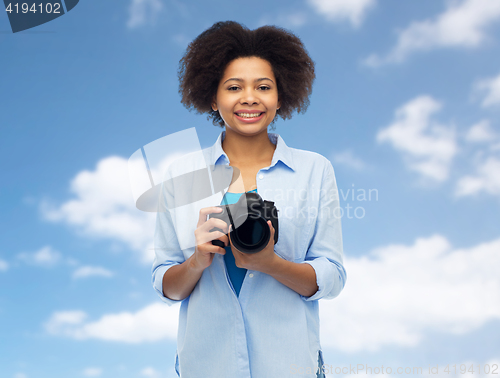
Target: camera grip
217, 242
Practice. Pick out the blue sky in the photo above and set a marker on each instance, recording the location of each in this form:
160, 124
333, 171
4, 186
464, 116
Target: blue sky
406, 103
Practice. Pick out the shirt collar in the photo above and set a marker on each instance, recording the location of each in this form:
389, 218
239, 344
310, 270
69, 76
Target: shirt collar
282, 152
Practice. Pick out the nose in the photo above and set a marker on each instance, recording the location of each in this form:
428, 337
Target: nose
249, 97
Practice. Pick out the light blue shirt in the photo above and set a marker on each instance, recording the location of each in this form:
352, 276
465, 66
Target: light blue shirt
269, 330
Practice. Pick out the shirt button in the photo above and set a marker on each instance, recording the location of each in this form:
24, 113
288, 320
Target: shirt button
250, 275
261, 176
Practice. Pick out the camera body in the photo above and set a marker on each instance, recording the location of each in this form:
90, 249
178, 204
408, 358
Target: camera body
248, 218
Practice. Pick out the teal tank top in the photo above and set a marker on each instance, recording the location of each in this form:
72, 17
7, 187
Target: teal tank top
236, 275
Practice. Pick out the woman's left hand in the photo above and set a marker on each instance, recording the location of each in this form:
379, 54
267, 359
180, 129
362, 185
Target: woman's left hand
262, 261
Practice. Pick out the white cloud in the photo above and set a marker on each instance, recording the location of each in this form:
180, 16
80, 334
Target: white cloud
150, 372
20, 375
88, 271
92, 372
428, 147
413, 290
491, 88
142, 12
3, 266
353, 11
348, 159
398, 293
487, 179
462, 24
481, 132
46, 257
64, 322
486, 162
152, 323
287, 20
104, 207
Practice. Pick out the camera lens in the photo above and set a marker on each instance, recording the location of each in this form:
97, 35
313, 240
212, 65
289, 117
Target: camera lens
252, 235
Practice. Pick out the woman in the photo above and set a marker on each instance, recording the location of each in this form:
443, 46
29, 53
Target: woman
251, 315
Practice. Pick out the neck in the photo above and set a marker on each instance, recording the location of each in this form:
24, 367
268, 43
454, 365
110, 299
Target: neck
247, 148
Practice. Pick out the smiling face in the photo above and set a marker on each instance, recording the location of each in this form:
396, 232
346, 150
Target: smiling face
247, 96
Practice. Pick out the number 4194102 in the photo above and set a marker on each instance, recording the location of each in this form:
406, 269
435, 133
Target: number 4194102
471, 369
25, 8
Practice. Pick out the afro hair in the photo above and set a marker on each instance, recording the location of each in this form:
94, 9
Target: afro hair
202, 66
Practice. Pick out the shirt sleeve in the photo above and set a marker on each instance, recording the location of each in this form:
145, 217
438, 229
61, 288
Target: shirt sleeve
166, 244
325, 252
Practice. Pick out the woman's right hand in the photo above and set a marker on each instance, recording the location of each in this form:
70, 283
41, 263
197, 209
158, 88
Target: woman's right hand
204, 250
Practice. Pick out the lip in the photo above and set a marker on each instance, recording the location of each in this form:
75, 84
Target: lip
249, 120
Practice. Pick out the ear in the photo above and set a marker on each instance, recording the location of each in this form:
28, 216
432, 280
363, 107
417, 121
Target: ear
214, 104
279, 104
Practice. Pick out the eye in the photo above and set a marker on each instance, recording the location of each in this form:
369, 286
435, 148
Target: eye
265, 88
233, 88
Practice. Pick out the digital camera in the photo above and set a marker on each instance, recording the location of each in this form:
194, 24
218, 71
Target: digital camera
248, 218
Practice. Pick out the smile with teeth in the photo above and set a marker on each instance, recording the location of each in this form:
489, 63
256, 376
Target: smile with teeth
249, 115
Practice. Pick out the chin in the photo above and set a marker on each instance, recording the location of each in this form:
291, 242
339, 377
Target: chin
249, 130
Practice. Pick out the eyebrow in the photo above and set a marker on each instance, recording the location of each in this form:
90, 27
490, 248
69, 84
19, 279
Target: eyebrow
255, 81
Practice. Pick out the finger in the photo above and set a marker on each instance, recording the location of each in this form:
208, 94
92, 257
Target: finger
209, 236
216, 235
271, 227
214, 223
224, 239
271, 239
205, 211
210, 248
